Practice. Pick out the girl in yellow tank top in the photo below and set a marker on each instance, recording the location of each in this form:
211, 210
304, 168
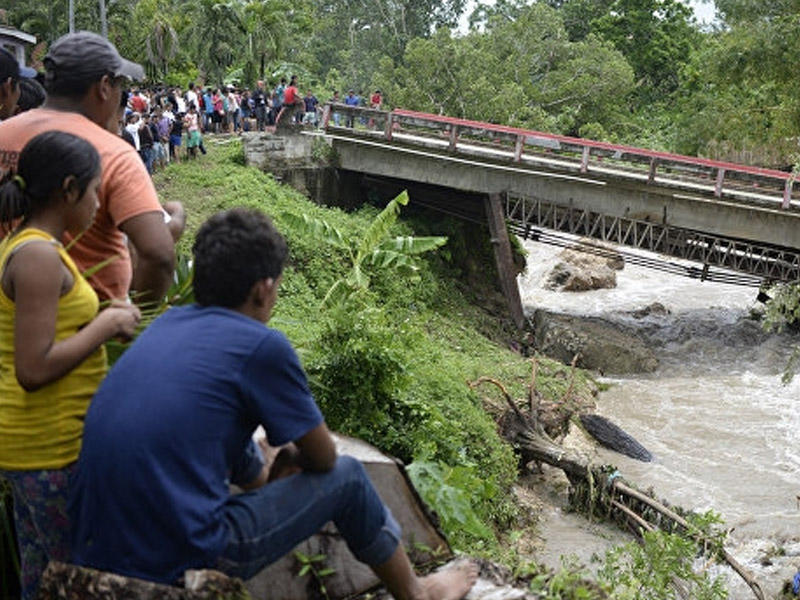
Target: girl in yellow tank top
51, 339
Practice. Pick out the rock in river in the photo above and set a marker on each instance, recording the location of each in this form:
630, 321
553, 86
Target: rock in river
581, 271
599, 344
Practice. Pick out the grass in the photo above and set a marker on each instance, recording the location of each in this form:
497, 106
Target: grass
420, 341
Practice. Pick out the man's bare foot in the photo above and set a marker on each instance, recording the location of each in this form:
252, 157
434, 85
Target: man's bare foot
452, 582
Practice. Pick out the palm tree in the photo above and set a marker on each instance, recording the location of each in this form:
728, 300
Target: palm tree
217, 34
267, 24
161, 46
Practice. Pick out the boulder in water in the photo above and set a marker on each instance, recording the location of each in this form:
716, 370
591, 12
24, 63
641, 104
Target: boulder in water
599, 345
580, 272
608, 252
654, 309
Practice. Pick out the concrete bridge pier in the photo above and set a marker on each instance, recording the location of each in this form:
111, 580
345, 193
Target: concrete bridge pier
501, 244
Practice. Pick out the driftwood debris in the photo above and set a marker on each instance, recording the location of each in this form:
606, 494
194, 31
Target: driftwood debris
598, 490
612, 436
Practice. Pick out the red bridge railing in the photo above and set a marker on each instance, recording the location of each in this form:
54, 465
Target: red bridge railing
583, 155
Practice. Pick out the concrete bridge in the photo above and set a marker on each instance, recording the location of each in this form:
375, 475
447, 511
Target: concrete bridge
740, 224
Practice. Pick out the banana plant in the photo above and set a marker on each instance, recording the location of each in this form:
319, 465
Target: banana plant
180, 293
372, 250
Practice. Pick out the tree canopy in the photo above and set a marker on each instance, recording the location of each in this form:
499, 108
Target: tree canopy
638, 71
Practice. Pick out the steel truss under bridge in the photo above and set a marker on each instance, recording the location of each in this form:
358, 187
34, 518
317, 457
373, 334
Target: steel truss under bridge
753, 264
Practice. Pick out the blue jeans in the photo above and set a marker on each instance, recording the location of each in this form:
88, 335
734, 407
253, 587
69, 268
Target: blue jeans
148, 155
267, 523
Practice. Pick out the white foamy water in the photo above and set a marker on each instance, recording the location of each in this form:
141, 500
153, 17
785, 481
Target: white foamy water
724, 430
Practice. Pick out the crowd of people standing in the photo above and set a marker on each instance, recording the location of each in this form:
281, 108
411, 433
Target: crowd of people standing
161, 121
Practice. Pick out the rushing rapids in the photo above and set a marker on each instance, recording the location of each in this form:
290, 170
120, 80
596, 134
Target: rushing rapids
722, 427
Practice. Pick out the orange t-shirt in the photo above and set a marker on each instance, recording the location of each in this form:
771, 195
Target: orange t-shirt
290, 95
126, 191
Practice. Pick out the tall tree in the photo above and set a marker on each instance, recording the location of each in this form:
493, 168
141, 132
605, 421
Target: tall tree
353, 35
216, 35
739, 97
271, 27
523, 70
656, 36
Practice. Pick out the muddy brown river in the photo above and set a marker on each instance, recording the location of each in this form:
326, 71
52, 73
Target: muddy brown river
724, 430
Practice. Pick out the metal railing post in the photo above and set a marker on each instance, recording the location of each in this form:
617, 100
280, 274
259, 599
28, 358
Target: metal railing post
453, 136
651, 174
585, 159
389, 124
326, 116
787, 194
720, 179
520, 144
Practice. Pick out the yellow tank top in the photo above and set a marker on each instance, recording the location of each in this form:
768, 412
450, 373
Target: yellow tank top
43, 429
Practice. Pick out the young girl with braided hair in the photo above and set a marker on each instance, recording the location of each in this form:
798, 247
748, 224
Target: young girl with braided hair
51, 339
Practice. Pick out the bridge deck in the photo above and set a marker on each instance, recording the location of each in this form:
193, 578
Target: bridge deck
719, 214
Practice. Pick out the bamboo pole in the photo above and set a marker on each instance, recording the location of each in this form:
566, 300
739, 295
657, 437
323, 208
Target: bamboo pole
636, 518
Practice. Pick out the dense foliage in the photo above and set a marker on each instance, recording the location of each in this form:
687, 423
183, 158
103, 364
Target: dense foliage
638, 71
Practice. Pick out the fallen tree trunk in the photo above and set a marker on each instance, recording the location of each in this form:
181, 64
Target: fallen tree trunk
603, 485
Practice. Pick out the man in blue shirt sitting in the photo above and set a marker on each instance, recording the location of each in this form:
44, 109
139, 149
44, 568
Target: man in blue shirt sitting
171, 427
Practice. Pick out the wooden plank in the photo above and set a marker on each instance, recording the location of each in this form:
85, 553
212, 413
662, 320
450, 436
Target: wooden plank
503, 257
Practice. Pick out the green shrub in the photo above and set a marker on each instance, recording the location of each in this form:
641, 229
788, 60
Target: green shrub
647, 571
358, 372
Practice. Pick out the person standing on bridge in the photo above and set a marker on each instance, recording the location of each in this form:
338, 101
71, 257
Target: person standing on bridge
376, 100
260, 101
292, 103
311, 102
351, 100
337, 117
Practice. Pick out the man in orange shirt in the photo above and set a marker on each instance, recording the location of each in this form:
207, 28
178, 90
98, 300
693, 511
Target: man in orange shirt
84, 79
